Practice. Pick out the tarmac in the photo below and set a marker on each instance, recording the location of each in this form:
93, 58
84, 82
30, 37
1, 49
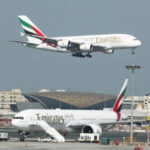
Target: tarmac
32, 144
62, 146
140, 137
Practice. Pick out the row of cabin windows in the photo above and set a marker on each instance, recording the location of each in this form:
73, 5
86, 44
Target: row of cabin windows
18, 118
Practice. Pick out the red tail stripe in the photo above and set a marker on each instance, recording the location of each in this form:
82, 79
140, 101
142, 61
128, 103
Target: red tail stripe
117, 103
37, 31
41, 34
118, 116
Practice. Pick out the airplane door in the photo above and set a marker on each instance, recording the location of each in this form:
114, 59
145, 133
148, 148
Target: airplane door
33, 120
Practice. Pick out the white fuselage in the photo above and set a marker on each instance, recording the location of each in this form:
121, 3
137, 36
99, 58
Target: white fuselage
61, 119
78, 46
100, 43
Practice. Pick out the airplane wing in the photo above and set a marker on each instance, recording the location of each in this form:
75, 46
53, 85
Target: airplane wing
125, 122
75, 125
73, 46
103, 125
102, 48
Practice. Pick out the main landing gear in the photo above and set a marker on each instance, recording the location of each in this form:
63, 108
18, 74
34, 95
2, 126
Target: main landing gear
78, 55
82, 56
88, 55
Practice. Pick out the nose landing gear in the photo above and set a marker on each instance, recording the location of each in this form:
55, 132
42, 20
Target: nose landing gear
133, 51
22, 135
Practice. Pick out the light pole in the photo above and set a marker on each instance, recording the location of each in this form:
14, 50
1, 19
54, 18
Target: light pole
132, 67
60, 102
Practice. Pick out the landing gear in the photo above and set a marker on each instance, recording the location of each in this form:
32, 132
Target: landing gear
88, 55
78, 55
133, 51
81, 55
22, 135
22, 138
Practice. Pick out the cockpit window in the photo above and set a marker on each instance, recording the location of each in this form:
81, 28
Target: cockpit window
18, 118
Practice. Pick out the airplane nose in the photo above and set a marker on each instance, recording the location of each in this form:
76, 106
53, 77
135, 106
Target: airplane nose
13, 122
139, 43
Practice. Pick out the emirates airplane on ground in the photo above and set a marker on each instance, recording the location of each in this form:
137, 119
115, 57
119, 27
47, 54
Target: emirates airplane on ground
54, 120
79, 46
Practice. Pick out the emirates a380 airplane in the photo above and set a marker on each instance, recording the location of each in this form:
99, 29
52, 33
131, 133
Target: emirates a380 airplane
79, 46
54, 120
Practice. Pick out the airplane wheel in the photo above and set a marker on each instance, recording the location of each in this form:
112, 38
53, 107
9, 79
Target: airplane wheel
88, 55
22, 138
21, 135
133, 52
78, 55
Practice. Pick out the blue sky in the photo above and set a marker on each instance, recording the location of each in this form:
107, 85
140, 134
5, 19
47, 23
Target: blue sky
31, 69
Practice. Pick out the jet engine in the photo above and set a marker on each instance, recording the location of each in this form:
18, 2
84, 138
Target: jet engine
92, 128
86, 47
109, 51
63, 43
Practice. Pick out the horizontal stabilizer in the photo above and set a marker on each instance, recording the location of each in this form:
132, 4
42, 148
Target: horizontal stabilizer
25, 43
22, 34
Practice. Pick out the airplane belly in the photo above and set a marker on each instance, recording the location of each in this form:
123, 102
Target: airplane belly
34, 128
124, 45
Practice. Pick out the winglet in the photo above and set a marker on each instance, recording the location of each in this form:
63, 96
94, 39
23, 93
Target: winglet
120, 98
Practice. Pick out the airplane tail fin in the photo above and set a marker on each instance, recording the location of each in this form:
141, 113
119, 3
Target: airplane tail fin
120, 98
30, 29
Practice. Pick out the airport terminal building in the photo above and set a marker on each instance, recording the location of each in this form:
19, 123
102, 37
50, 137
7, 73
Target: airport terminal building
14, 101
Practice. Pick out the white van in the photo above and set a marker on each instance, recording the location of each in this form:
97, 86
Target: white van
3, 136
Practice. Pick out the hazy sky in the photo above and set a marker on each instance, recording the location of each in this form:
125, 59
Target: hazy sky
31, 69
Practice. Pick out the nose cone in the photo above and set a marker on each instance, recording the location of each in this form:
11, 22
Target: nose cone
139, 43
13, 122
19, 124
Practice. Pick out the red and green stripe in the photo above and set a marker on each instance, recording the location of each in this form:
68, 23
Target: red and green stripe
116, 109
25, 23
31, 27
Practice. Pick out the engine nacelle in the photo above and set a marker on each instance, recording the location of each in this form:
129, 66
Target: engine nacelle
86, 47
109, 51
92, 128
63, 43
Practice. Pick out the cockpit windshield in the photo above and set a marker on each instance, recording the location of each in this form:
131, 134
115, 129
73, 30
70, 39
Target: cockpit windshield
18, 118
